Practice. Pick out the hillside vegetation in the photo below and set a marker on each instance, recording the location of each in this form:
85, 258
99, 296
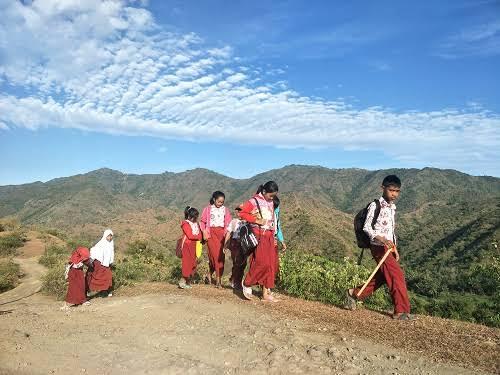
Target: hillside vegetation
448, 222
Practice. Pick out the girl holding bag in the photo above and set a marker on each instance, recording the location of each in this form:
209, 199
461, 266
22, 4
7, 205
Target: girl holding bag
259, 212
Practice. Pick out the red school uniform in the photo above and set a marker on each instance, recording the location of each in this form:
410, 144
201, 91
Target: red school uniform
262, 260
76, 279
215, 221
192, 234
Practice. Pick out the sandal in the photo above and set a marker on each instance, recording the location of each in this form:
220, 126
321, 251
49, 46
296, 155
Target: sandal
270, 298
404, 316
247, 292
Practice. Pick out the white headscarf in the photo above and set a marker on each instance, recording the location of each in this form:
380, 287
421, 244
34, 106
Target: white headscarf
104, 250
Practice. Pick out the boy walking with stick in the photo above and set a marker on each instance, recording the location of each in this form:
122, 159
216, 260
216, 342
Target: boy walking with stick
381, 233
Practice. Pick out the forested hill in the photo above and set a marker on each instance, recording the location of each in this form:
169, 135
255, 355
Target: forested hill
448, 221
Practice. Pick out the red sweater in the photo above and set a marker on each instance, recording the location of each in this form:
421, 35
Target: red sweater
188, 232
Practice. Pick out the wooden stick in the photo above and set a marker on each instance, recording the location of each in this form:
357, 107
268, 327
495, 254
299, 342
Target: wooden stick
374, 272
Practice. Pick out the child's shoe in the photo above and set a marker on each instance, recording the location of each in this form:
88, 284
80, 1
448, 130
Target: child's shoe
404, 316
350, 303
247, 292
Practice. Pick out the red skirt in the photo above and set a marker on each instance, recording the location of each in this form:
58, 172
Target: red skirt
76, 287
189, 259
262, 262
100, 279
216, 255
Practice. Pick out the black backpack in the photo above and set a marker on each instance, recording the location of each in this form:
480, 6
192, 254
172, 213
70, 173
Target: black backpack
362, 238
248, 239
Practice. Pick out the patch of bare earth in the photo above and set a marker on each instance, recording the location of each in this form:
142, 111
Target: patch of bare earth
160, 329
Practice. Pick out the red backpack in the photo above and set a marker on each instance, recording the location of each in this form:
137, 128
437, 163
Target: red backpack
180, 245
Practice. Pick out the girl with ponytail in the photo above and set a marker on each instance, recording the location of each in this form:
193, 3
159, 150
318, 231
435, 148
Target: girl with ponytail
215, 220
259, 212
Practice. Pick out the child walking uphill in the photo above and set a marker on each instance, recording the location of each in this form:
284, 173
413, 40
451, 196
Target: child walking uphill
192, 233
234, 245
259, 211
103, 256
76, 279
215, 219
383, 238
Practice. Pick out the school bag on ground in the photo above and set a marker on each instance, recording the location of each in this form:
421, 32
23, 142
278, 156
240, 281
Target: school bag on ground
362, 239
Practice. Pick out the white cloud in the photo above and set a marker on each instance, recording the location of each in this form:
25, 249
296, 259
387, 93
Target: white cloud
482, 40
107, 67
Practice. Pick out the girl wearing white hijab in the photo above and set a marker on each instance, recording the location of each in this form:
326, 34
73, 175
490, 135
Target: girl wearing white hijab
103, 256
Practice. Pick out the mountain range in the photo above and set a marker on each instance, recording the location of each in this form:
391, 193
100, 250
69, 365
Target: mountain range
447, 221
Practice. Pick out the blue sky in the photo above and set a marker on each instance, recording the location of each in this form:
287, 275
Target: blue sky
242, 87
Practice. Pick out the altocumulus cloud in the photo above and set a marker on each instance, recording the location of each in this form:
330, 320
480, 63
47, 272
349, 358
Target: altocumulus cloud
107, 66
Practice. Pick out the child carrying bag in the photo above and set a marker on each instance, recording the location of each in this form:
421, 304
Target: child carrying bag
199, 249
248, 239
180, 245
362, 239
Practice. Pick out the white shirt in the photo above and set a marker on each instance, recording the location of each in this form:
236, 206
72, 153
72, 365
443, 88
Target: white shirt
217, 216
385, 225
234, 228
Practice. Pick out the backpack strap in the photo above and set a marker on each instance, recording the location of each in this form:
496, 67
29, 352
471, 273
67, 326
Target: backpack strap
376, 214
258, 206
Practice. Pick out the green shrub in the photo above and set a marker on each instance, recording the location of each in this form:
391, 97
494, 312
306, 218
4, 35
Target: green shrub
53, 282
317, 278
485, 278
426, 282
468, 307
54, 255
9, 274
55, 233
10, 243
146, 261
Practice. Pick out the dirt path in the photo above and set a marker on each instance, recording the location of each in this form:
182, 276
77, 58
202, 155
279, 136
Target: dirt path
30, 283
27, 258
159, 329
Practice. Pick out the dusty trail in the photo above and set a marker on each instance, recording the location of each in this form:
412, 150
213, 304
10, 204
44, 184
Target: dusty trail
31, 283
159, 329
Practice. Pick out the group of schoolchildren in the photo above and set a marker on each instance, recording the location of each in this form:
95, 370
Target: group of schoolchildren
221, 233
98, 279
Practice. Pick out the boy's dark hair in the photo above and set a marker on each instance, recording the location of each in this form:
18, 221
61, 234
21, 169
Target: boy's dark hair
391, 180
268, 187
276, 202
216, 195
191, 213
